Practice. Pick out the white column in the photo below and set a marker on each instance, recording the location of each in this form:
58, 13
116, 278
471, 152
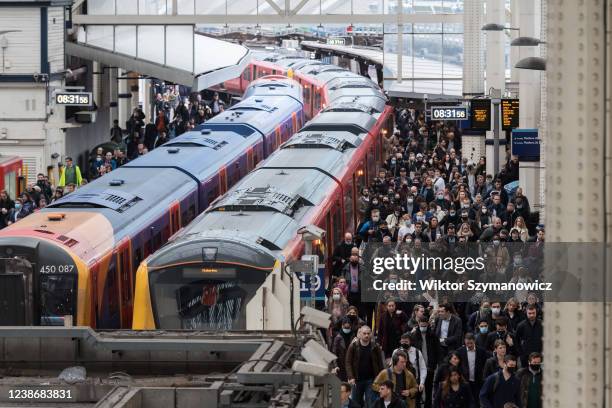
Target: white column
529, 94
574, 342
112, 94
495, 46
473, 64
125, 104
515, 21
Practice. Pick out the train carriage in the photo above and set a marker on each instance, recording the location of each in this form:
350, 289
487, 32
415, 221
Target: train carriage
78, 256
223, 272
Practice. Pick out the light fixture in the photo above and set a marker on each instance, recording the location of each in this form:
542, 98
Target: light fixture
533, 63
497, 27
526, 42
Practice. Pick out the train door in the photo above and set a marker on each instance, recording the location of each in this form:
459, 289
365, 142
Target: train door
110, 317
125, 284
175, 222
294, 122
250, 161
222, 180
15, 285
278, 139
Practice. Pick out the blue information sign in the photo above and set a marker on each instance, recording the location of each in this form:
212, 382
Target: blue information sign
525, 144
320, 285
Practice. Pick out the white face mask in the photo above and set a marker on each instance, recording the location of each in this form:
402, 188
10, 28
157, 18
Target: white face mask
336, 297
495, 310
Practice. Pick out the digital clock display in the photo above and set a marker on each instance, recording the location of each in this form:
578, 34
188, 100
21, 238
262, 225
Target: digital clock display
73, 98
448, 113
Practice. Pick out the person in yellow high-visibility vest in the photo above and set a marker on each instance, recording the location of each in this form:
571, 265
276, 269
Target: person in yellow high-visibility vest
71, 174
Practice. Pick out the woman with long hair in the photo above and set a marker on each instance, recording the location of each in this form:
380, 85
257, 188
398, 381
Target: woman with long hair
453, 392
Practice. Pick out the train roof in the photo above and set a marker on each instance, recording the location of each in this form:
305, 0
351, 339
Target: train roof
274, 85
367, 104
121, 196
354, 122
4, 160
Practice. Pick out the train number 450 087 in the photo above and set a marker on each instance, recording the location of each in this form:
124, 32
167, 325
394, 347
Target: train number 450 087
56, 268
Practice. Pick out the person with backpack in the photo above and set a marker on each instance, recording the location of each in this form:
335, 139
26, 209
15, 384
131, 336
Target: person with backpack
502, 387
403, 381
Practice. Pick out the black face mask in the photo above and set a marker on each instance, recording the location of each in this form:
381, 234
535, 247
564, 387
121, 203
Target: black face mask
501, 333
405, 346
511, 370
534, 367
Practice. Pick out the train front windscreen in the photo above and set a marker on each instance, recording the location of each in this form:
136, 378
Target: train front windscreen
207, 296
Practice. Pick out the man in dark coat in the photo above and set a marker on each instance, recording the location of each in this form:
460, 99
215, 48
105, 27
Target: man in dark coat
530, 379
473, 359
529, 334
501, 387
449, 330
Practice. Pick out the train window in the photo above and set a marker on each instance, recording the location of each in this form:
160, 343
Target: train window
157, 241
360, 176
246, 75
337, 223
10, 184
112, 296
306, 94
348, 205
190, 213
137, 259
317, 100
122, 261
273, 72
212, 194
371, 165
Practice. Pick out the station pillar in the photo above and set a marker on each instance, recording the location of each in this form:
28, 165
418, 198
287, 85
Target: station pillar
529, 95
576, 334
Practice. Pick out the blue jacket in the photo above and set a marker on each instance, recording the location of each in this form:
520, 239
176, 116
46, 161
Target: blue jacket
496, 391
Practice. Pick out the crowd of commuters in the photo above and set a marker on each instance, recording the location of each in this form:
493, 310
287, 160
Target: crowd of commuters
433, 351
173, 115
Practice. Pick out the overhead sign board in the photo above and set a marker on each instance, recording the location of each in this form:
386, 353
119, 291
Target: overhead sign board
449, 113
526, 144
480, 114
336, 41
510, 113
73, 98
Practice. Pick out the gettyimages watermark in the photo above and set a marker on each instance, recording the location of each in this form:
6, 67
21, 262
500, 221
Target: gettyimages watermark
469, 272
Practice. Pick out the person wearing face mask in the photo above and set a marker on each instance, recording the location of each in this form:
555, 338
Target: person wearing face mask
502, 333
370, 230
337, 307
391, 324
483, 218
339, 345
406, 228
425, 340
483, 313
364, 203
94, 171
352, 273
394, 220
530, 378
342, 253
502, 387
416, 361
